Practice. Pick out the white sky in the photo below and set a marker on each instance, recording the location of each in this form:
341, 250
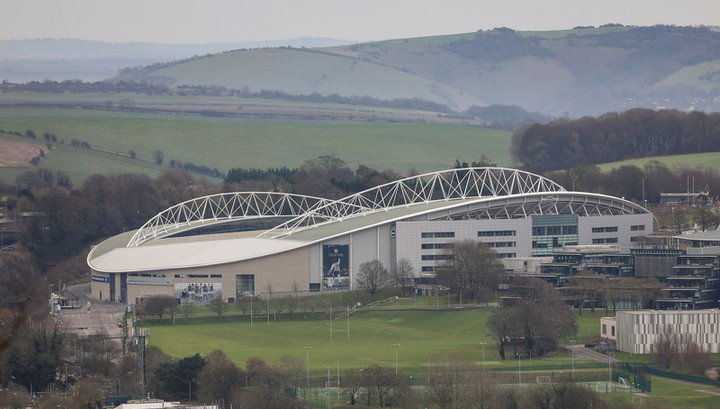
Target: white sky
206, 21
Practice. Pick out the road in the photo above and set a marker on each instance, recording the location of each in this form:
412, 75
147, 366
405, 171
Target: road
99, 317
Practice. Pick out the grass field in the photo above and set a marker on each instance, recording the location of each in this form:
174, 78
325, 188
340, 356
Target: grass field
440, 333
373, 335
708, 159
225, 143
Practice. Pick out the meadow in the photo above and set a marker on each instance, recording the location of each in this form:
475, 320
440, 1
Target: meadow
225, 143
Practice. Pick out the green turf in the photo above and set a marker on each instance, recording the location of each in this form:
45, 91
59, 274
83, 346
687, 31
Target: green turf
227, 143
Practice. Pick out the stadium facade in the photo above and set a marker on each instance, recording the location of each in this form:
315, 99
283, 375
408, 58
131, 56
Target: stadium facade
252, 243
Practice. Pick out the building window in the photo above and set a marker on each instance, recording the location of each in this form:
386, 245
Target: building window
215, 275
496, 233
431, 246
429, 257
428, 269
437, 235
608, 240
612, 329
604, 229
506, 255
637, 227
245, 284
604, 327
197, 276
501, 244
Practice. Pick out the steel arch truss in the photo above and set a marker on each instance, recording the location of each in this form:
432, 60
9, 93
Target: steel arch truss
447, 185
523, 206
224, 208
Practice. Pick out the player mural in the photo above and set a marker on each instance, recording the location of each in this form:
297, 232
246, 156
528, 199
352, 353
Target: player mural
197, 293
336, 270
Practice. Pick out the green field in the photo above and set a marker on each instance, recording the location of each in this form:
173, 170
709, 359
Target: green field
372, 336
225, 143
693, 160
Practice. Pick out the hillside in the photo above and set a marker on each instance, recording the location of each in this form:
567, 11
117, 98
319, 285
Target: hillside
585, 71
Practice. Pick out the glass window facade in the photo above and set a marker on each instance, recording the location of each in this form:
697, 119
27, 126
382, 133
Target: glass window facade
551, 232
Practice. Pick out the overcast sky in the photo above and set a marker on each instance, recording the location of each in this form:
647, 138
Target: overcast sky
206, 21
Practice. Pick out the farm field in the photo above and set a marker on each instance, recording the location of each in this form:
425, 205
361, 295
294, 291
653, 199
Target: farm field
225, 143
707, 159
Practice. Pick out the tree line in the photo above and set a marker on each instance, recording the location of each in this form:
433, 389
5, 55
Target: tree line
636, 133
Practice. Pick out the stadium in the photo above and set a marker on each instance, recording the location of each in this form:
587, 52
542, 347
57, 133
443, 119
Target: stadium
252, 243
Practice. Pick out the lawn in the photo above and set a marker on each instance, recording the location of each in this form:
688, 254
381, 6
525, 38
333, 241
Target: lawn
225, 143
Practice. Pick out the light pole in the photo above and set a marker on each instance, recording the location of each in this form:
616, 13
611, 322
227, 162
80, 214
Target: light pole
307, 367
483, 349
572, 359
328, 387
428, 356
609, 374
337, 358
519, 357
396, 357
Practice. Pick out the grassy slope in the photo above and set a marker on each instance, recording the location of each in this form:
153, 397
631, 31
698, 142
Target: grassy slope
708, 159
299, 72
227, 143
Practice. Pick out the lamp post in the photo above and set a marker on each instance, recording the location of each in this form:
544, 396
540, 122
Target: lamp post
307, 367
519, 357
337, 358
396, 357
428, 356
328, 387
483, 349
572, 359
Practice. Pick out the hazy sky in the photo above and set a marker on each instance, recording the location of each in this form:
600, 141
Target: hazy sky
205, 21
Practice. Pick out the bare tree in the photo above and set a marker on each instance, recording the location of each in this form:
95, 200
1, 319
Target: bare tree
372, 276
156, 305
402, 275
472, 268
187, 310
218, 306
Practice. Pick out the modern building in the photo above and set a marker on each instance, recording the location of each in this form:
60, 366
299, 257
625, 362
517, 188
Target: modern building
638, 331
251, 243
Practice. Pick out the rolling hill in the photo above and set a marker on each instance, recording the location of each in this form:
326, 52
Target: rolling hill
584, 71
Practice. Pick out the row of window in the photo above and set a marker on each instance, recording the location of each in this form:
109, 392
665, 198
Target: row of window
496, 233
609, 229
198, 276
554, 230
637, 227
501, 244
436, 256
608, 240
437, 235
146, 275
431, 246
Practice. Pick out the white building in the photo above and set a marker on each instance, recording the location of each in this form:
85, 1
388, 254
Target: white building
638, 331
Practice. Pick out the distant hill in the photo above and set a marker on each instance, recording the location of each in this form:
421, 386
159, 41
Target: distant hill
59, 60
584, 71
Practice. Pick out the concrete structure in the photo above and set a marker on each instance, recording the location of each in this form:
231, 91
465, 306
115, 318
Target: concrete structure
638, 331
608, 330
251, 243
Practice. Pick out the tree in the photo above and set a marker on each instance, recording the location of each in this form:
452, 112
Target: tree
178, 379
158, 156
543, 316
218, 378
502, 323
218, 306
132, 154
472, 268
372, 276
156, 305
402, 274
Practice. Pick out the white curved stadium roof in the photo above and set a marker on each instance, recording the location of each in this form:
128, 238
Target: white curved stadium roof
456, 194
